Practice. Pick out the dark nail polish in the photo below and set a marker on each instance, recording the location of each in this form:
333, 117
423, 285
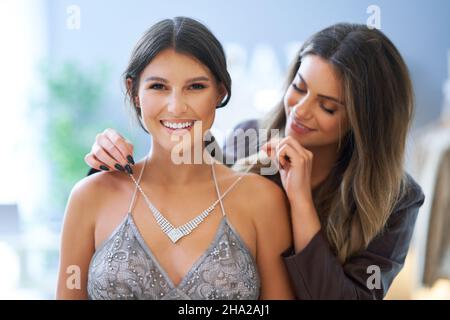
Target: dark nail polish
128, 168
104, 168
130, 160
119, 167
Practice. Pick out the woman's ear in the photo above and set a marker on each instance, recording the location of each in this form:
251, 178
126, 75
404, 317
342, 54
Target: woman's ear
137, 104
130, 93
222, 94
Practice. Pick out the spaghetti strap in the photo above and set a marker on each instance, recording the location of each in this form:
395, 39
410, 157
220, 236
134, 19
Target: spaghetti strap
217, 188
219, 196
133, 199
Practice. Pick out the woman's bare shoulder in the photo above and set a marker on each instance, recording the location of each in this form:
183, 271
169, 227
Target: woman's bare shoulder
95, 189
250, 178
262, 187
255, 191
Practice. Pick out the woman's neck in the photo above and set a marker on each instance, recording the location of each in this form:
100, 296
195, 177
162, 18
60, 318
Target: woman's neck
324, 160
161, 169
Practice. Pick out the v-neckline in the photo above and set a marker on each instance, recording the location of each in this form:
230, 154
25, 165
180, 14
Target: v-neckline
162, 270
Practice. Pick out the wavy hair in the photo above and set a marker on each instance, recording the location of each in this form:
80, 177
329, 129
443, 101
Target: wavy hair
355, 200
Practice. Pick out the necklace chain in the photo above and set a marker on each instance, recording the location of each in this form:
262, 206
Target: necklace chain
176, 233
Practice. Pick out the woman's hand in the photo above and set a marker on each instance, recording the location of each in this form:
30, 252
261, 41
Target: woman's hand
111, 151
295, 167
295, 170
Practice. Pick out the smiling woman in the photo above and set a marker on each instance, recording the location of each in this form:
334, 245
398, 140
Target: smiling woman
169, 102
313, 107
353, 206
151, 237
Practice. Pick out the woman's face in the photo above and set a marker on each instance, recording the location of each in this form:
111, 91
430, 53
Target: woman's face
176, 91
315, 112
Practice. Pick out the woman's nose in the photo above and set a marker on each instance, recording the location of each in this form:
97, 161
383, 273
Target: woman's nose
302, 109
176, 104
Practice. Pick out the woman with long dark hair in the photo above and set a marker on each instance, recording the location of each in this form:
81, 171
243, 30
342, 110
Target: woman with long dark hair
176, 230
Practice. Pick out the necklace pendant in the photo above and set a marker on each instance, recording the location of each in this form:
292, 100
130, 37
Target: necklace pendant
175, 235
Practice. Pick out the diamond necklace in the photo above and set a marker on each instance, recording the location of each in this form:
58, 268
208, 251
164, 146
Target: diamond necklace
177, 233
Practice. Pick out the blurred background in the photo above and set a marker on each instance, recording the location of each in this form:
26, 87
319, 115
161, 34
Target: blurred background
60, 70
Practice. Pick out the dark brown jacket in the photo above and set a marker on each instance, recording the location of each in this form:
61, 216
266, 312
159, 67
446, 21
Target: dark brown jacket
316, 273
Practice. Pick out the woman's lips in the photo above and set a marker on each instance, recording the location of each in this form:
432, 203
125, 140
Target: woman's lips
178, 126
300, 128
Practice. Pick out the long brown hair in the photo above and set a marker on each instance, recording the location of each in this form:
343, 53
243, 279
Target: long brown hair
356, 199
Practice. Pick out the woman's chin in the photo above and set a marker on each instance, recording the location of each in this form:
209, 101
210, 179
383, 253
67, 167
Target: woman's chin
184, 149
304, 140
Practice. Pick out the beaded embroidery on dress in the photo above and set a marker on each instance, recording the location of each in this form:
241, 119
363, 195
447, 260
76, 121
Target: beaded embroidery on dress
124, 267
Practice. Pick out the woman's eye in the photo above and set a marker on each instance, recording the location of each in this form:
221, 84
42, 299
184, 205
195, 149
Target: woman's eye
327, 110
296, 88
197, 86
157, 86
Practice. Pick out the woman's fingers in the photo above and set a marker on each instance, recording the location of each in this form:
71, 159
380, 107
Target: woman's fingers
130, 148
280, 150
121, 144
281, 157
270, 145
93, 162
286, 155
105, 157
111, 152
296, 146
106, 151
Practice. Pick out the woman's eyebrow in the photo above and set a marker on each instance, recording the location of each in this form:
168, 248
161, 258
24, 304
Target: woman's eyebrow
331, 98
302, 79
155, 79
202, 78
321, 95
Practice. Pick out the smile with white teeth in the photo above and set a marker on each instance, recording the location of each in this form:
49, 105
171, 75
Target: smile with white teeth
177, 125
298, 124
302, 126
